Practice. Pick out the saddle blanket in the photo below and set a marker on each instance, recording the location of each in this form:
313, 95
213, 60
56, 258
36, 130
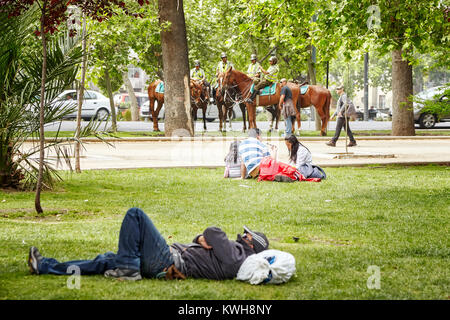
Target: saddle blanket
266, 91
303, 89
270, 90
160, 87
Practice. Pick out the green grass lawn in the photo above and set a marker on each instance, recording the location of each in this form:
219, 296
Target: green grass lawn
395, 217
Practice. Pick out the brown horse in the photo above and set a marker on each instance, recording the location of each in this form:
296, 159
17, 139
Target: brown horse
243, 83
234, 77
320, 98
199, 99
225, 100
155, 96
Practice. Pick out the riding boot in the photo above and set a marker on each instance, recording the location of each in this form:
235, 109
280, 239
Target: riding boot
253, 96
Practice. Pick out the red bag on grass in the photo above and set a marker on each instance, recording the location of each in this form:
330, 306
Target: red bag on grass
269, 169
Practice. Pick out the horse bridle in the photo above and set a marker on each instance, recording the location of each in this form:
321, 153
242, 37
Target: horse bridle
200, 98
238, 93
231, 97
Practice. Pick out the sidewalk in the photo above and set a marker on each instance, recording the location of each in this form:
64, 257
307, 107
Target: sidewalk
210, 152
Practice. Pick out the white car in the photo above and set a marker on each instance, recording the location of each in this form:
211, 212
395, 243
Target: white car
424, 119
94, 104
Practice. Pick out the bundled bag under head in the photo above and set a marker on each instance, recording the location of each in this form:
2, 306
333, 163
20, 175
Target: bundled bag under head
269, 266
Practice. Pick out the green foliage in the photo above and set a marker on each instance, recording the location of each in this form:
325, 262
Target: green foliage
340, 34
99, 80
401, 25
120, 41
20, 73
127, 115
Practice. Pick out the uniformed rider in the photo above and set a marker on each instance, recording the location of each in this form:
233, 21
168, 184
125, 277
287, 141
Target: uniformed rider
269, 77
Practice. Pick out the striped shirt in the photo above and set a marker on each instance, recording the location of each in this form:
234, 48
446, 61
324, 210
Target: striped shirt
252, 151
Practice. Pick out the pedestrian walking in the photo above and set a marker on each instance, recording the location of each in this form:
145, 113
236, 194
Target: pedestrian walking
344, 110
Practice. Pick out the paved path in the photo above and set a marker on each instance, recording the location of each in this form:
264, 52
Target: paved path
148, 153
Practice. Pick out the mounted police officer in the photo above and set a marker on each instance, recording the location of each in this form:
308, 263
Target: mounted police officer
253, 68
198, 73
223, 65
269, 77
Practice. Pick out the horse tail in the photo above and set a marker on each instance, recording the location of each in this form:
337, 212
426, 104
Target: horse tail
327, 105
298, 104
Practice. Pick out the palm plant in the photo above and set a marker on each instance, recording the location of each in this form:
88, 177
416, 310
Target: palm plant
20, 84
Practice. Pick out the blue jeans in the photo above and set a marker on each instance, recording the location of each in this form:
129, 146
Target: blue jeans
141, 247
288, 122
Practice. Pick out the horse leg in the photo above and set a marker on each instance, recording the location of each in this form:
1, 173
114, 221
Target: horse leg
194, 113
272, 118
325, 116
154, 114
219, 109
230, 116
277, 117
323, 130
244, 117
204, 117
251, 109
225, 115
297, 116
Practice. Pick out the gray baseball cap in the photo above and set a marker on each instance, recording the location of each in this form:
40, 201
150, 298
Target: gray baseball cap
260, 241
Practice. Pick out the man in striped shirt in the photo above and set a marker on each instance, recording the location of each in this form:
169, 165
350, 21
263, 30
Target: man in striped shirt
251, 152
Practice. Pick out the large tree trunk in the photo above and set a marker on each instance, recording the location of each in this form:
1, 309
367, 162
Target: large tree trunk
37, 199
111, 101
134, 105
80, 99
402, 89
178, 120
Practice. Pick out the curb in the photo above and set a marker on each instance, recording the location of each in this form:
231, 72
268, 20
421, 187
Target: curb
211, 139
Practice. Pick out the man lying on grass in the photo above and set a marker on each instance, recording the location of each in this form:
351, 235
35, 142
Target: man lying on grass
143, 252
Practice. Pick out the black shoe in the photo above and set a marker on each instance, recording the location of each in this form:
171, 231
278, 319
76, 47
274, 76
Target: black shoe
123, 274
352, 144
34, 258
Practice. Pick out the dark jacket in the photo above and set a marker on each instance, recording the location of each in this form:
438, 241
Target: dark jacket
221, 262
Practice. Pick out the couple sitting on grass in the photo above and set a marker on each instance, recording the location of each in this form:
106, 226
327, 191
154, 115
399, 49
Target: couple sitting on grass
251, 158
